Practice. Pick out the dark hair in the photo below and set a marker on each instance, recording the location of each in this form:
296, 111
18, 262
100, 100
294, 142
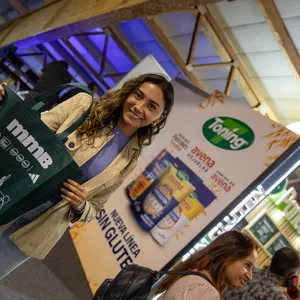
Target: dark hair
92, 85
107, 109
285, 262
227, 248
64, 64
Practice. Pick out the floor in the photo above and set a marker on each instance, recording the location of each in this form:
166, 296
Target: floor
58, 277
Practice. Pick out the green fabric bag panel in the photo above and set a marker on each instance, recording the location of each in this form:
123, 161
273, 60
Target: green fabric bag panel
34, 161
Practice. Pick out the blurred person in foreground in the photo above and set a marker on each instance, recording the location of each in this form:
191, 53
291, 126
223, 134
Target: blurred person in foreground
228, 260
267, 282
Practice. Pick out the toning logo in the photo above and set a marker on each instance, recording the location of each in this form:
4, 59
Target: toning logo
228, 133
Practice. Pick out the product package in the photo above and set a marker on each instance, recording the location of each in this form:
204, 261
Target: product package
176, 183
151, 173
188, 209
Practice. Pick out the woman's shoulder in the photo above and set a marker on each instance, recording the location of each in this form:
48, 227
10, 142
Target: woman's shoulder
77, 102
80, 100
192, 287
84, 97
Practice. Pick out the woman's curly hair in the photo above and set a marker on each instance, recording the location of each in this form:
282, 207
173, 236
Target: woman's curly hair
107, 109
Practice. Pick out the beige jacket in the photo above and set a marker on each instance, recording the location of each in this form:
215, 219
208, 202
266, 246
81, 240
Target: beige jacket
38, 238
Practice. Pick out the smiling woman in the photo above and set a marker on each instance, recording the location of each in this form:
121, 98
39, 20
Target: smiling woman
106, 147
140, 110
228, 260
141, 106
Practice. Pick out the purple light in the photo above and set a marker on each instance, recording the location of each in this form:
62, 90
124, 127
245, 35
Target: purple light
90, 59
141, 38
83, 52
115, 56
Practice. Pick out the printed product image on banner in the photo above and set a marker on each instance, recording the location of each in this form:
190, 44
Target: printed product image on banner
167, 196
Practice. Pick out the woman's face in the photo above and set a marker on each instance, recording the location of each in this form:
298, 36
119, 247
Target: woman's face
239, 272
144, 106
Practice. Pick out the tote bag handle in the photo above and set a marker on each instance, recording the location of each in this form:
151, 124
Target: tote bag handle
36, 106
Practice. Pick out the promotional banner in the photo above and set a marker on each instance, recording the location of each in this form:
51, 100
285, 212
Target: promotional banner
210, 151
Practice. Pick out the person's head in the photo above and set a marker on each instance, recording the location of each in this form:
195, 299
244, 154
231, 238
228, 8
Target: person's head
64, 64
142, 104
148, 104
93, 87
229, 259
285, 264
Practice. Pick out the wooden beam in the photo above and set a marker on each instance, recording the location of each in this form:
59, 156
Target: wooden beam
113, 75
194, 38
46, 52
185, 10
93, 50
213, 65
234, 57
173, 53
48, 1
279, 30
104, 54
230, 81
63, 18
18, 6
30, 54
119, 38
227, 53
89, 33
190, 86
85, 63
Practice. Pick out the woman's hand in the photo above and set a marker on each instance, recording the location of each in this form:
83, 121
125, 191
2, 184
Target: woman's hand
75, 194
2, 93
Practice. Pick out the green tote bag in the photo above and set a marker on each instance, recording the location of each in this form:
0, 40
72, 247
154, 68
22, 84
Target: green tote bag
34, 161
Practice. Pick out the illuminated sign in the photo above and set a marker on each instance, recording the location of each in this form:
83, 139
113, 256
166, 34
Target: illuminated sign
291, 210
287, 203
